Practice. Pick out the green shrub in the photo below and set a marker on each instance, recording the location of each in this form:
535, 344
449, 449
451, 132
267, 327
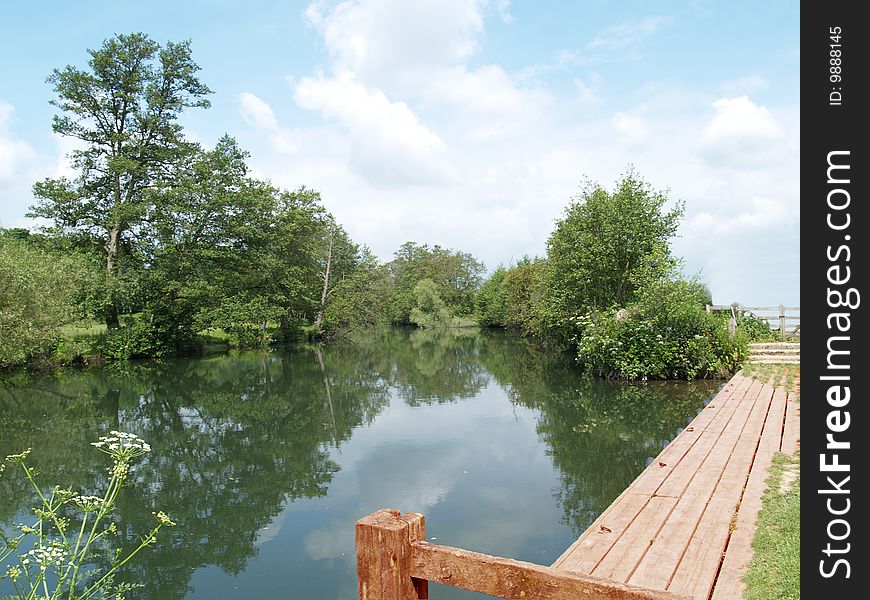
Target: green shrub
244, 318
490, 304
754, 327
136, 340
40, 291
664, 335
525, 289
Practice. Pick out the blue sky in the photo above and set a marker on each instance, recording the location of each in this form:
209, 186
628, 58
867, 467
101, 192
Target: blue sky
469, 123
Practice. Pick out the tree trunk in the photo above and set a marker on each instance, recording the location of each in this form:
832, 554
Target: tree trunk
326, 384
112, 249
319, 320
286, 330
112, 321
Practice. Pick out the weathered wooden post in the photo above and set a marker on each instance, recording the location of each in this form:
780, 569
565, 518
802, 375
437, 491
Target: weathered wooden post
732, 322
383, 556
782, 322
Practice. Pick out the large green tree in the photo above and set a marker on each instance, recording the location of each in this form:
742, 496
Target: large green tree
208, 232
607, 247
360, 299
123, 112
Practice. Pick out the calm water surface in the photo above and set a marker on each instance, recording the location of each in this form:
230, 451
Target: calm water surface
266, 460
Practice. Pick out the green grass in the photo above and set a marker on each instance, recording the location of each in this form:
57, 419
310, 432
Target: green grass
76, 342
82, 329
774, 571
776, 374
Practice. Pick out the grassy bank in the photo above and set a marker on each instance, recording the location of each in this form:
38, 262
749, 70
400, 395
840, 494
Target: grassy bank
774, 572
775, 374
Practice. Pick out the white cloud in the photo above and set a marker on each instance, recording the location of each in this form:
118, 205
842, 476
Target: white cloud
62, 166
761, 214
485, 104
416, 141
381, 39
389, 144
256, 112
741, 118
741, 133
14, 152
632, 129
628, 33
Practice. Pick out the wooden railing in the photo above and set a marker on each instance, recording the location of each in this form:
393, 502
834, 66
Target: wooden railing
395, 562
785, 321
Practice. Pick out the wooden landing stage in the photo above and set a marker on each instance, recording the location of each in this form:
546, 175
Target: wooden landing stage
682, 529
671, 528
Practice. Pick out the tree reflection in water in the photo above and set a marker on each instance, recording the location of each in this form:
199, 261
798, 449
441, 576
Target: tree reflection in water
235, 437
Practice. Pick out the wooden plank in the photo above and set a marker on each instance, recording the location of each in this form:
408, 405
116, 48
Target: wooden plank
722, 474
649, 481
623, 557
730, 417
585, 554
729, 585
771, 438
677, 538
791, 433
678, 479
508, 578
696, 573
712, 511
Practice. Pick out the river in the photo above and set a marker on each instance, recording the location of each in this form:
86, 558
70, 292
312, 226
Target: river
266, 459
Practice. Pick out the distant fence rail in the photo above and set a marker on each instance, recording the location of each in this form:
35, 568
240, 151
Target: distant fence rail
785, 321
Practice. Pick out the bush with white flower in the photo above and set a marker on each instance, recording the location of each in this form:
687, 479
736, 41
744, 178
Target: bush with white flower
57, 556
665, 334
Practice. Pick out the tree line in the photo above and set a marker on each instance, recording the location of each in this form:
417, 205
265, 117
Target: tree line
162, 239
169, 245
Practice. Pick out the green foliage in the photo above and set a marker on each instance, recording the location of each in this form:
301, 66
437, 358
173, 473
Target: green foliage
429, 309
359, 300
490, 304
245, 319
124, 109
665, 334
138, 339
73, 533
525, 289
456, 276
607, 247
40, 291
754, 327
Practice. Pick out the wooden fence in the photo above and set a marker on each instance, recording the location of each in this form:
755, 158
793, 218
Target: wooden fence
785, 321
395, 562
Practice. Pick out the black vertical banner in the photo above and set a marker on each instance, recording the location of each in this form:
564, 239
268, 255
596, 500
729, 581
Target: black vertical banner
835, 364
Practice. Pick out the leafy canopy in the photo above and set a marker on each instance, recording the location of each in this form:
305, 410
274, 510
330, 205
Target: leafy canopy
608, 247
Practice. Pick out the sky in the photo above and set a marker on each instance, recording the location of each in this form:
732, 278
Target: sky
468, 123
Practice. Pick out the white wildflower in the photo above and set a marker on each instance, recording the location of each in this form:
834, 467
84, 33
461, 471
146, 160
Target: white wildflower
88, 503
46, 556
122, 445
